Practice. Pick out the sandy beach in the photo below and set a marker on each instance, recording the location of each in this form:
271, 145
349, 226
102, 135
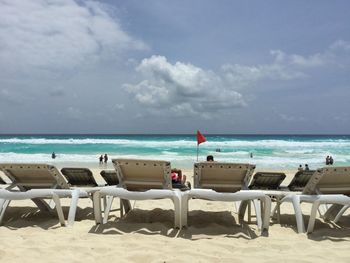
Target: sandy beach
263, 83
146, 234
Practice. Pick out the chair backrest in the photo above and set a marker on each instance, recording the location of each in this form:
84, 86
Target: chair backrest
33, 176
267, 180
141, 175
300, 180
329, 180
79, 177
110, 176
222, 177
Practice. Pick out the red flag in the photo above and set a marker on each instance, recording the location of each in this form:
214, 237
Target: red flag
200, 138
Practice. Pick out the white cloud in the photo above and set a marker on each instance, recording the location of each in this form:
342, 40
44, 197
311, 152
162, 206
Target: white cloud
188, 79
246, 76
181, 89
340, 45
286, 66
286, 60
332, 55
58, 35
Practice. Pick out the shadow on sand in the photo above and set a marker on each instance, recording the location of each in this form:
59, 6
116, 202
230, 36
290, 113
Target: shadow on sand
20, 217
158, 221
323, 230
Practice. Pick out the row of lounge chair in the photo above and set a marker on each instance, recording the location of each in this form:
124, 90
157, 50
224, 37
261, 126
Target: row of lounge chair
149, 179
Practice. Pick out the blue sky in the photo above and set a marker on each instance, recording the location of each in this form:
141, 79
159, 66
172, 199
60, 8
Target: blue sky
174, 66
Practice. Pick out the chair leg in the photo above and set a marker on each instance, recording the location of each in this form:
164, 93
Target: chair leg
57, 201
258, 209
332, 212
2, 201
274, 211
73, 206
121, 208
236, 205
266, 212
97, 207
241, 211
312, 219
104, 202
5, 204
126, 205
184, 210
322, 209
341, 212
107, 209
278, 205
249, 211
298, 214
177, 211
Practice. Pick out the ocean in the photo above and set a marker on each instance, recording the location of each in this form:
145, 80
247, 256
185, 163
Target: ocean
268, 151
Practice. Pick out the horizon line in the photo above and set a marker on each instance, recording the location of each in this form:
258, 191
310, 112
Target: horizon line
173, 134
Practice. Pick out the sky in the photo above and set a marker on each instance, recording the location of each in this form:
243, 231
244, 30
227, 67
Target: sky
161, 66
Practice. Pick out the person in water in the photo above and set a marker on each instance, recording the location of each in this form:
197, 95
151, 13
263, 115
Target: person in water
101, 159
300, 168
53, 155
105, 158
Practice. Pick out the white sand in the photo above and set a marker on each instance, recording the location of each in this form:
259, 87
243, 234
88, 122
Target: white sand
146, 234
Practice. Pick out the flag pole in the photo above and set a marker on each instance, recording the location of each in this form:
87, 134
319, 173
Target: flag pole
200, 139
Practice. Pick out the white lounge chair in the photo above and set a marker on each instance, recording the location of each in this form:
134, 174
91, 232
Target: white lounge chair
329, 185
38, 182
270, 184
139, 180
227, 182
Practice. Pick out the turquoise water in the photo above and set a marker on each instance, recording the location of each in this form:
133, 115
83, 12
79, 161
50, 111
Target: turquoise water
270, 151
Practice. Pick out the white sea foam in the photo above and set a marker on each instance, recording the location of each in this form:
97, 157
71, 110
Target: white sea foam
186, 143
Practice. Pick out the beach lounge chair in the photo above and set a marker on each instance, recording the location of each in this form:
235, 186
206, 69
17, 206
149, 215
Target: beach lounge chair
139, 180
300, 179
227, 182
38, 182
110, 176
79, 177
83, 178
326, 186
270, 183
267, 180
